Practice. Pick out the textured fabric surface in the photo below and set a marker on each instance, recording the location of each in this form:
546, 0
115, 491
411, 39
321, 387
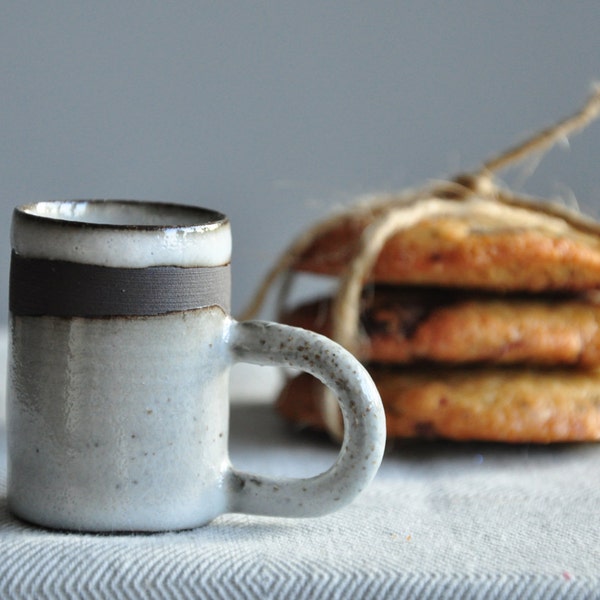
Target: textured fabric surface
440, 521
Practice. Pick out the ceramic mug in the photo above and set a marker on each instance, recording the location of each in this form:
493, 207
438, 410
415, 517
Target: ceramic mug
121, 344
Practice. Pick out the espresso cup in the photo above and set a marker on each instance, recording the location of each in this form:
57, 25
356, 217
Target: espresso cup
121, 343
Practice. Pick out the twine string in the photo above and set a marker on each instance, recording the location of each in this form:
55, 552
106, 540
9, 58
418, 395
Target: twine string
391, 214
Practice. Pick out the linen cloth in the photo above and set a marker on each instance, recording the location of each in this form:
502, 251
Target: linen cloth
441, 520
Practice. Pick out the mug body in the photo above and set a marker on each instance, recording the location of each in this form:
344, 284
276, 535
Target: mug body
118, 371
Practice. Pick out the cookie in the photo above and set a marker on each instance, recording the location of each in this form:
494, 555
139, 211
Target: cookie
407, 325
498, 404
473, 244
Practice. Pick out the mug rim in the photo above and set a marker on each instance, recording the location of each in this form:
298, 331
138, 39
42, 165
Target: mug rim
211, 219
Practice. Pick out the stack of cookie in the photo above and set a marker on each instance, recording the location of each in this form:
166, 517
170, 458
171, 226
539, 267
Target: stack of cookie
477, 322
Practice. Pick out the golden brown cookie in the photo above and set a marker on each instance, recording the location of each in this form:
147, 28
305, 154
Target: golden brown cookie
501, 405
406, 325
482, 244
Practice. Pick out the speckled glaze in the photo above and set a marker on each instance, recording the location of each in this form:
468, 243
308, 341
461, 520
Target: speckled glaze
121, 423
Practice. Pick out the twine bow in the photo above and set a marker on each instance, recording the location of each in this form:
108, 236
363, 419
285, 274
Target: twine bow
392, 214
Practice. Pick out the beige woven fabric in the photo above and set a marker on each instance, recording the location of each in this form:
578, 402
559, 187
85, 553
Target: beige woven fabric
439, 521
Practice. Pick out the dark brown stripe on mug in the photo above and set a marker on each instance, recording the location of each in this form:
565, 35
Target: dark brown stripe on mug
66, 289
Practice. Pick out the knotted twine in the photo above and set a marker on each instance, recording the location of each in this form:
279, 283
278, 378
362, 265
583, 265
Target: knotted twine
391, 214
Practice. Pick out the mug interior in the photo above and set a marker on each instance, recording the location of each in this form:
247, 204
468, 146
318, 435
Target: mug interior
124, 213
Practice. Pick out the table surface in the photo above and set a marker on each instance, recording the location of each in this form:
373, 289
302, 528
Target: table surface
441, 520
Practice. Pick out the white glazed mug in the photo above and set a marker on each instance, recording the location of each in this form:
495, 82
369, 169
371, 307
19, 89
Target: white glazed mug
120, 349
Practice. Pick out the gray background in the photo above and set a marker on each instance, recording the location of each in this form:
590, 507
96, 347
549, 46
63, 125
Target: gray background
276, 112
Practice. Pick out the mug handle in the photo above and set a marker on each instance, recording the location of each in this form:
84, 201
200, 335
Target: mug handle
266, 343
